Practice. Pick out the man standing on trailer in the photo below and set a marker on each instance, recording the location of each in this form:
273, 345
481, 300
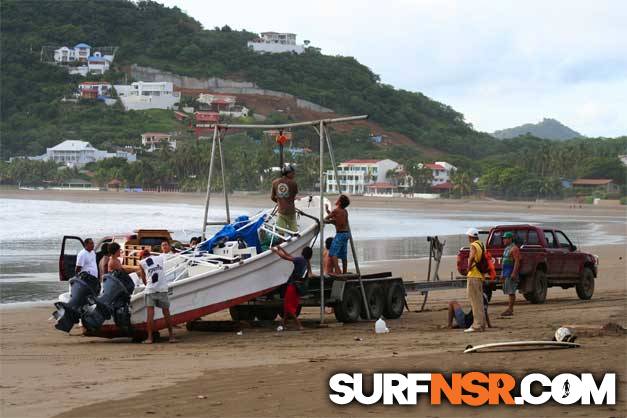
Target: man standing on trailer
284, 191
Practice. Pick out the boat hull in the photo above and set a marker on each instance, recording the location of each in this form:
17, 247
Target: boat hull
217, 290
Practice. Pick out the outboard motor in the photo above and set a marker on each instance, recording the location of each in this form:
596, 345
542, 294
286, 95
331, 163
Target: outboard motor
117, 288
84, 289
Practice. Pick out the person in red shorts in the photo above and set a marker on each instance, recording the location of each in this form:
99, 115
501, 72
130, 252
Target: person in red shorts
302, 268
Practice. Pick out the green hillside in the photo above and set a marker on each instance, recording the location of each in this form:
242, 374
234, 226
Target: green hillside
547, 128
150, 34
147, 33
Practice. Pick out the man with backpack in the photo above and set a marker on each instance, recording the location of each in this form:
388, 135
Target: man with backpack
477, 267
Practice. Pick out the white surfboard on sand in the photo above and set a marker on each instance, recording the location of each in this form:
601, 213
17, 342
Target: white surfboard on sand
516, 344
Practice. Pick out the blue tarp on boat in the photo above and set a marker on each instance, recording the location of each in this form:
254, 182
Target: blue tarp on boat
236, 230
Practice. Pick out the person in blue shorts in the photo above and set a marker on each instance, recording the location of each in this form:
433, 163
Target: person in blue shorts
509, 272
339, 246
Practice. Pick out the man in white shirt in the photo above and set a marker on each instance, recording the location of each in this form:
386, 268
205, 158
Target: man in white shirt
152, 273
86, 259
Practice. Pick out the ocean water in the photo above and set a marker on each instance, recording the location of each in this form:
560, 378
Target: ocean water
31, 233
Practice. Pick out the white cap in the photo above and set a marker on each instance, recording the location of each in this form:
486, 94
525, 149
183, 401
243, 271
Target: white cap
473, 232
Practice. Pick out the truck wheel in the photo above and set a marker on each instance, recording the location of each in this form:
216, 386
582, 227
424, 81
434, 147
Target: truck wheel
349, 308
540, 287
585, 287
376, 301
395, 301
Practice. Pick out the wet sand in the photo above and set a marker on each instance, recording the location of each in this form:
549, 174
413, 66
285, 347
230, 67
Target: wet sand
265, 373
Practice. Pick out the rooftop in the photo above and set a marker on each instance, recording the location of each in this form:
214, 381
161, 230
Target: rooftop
433, 166
443, 186
358, 161
72, 145
161, 134
592, 182
81, 45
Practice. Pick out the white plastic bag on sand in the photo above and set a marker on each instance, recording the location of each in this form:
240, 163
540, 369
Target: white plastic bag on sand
380, 327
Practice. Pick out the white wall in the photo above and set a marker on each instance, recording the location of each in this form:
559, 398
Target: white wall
275, 48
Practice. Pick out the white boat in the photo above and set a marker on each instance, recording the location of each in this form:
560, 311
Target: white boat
201, 283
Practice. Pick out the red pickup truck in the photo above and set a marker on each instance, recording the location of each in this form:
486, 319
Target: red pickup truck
548, 258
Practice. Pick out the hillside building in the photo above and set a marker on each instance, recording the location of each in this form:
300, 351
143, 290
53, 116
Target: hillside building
93, 89
275, 43
142, 95
74, 153
441, 171
153, 141
223, 104
361, 176
97, 63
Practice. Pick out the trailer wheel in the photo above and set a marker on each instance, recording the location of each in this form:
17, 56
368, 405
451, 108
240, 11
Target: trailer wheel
298, 310
540, 287
242, 313
349, 308
395, 301
265, 313
585, 287
376, 301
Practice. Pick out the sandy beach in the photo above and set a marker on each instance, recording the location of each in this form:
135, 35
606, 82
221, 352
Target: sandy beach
46, 373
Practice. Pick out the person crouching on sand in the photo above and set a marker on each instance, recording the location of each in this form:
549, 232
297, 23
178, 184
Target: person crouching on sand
457, 318
152, 273
302, 268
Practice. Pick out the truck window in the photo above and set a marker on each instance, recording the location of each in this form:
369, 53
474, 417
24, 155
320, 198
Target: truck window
551, 242
520, 237
533, 238
563, 239
496, 241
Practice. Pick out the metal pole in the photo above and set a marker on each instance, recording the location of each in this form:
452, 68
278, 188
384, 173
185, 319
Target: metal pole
294, 124
339, 189
281, 161
226, 192
213, 149
321, 242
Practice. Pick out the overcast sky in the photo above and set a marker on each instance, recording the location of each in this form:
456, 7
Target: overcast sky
501, 63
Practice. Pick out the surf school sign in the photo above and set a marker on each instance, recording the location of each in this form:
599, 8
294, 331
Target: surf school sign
473, 389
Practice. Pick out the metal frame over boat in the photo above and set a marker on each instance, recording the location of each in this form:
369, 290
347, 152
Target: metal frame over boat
204, 282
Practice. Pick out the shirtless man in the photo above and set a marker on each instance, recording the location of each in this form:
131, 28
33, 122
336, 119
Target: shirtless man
339, 247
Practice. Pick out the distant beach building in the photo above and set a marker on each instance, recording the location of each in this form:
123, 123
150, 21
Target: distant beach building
74, 153
441, 171
142, 95
361, 176
275, 43
153, 141
591, 185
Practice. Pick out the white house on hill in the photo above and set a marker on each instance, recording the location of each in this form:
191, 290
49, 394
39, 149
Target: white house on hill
143, 95
275, 42
74, 153
157, 140
441, 171
359, 176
